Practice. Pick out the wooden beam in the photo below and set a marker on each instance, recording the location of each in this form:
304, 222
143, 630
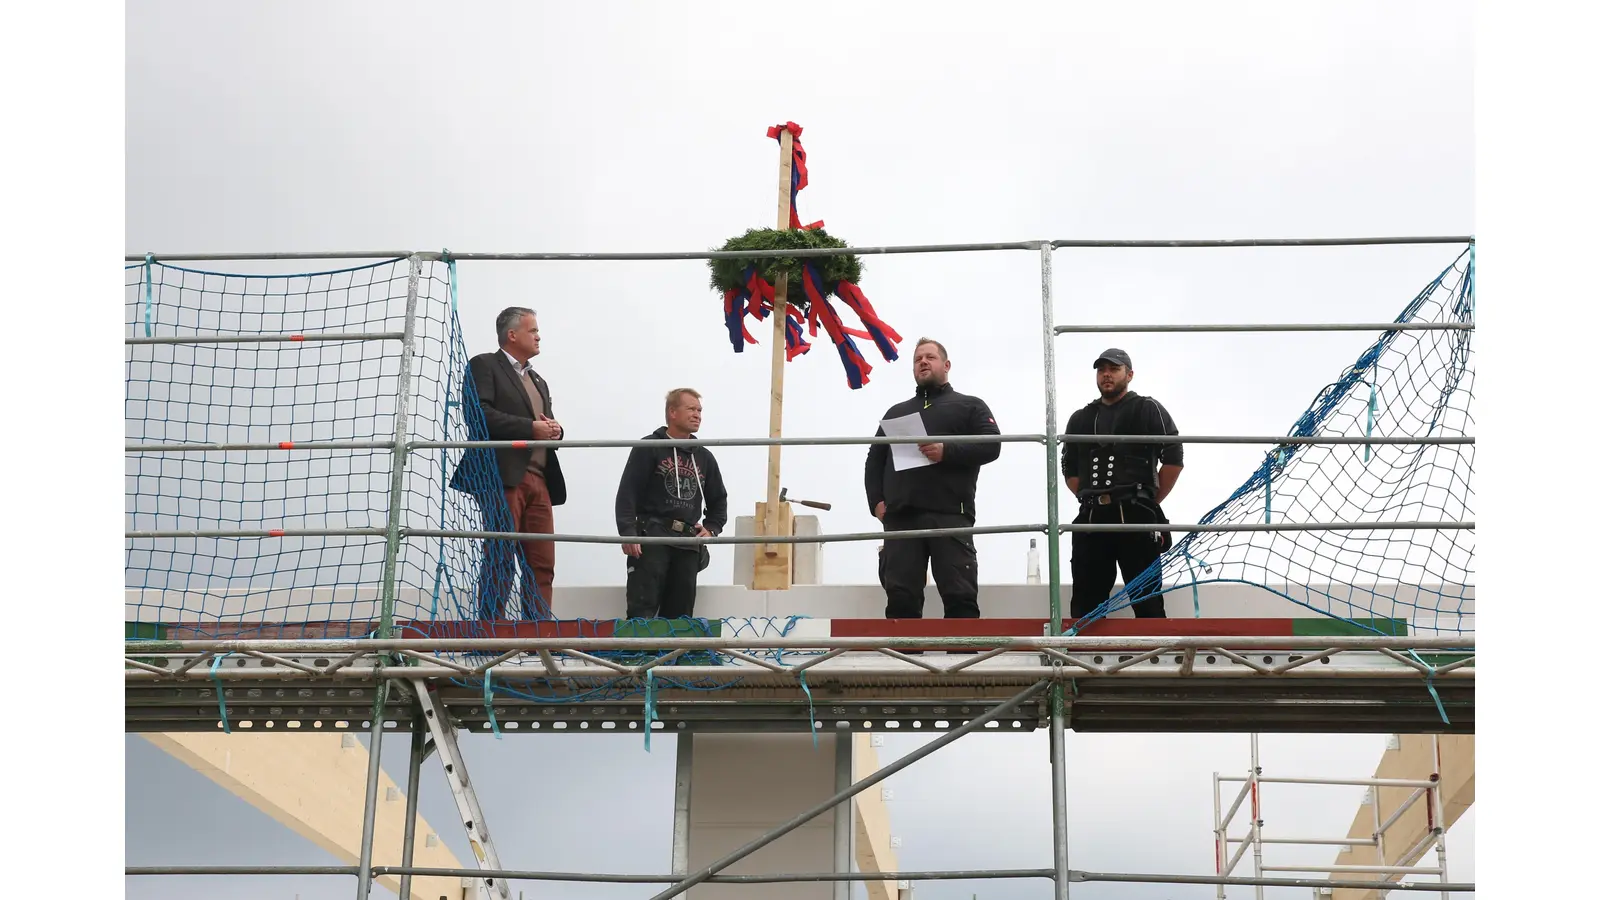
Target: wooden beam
1412, 760
774, 568
316, 787
775, 572
874, 850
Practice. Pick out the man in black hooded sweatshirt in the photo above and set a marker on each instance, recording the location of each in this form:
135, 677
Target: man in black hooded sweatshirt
662, 493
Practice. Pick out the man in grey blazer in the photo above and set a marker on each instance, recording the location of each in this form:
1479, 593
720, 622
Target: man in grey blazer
516, 407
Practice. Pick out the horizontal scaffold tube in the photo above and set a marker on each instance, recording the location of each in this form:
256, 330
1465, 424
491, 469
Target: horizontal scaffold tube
1297, 440
1223, 328
1241, 881
1275, 440
797, 538
817, 251
740, 675
1065, 643
1262, 242
260, 445
783, 878
266, 338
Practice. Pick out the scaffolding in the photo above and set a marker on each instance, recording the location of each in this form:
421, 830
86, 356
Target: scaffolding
389, 683
1427, 791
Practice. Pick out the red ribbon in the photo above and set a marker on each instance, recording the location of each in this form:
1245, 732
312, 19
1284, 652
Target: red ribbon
887, 339
801, 175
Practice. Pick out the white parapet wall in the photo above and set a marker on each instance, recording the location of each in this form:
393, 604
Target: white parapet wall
1420, 606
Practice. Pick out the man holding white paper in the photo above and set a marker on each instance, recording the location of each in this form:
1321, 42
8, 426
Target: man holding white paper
930, 485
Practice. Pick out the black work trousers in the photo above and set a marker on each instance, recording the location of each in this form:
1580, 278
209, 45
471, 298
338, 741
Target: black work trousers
661, 582
1096, 556
903, 567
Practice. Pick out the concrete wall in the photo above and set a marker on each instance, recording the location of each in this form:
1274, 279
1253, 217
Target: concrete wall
742, 786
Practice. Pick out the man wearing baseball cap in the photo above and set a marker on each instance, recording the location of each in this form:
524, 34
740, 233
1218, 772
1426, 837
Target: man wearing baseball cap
1119, 483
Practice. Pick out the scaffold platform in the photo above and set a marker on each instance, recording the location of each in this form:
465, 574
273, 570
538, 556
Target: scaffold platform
1172, 675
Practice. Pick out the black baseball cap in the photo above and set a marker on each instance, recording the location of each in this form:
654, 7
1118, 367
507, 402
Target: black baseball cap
1120, 357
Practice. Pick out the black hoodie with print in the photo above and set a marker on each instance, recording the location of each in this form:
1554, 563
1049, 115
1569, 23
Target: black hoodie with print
670, 483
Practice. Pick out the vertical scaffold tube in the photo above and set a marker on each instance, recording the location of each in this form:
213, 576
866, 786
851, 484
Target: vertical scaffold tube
680, 804
419, 737
1058, 717
843, 814
1435, 800
369, 813
397, 476
1058, 789
1217, 830
1255, 807
1051, 443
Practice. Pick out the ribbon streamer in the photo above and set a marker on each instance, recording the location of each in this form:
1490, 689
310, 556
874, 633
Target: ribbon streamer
757, 298
222, 704
149, 261
488, 702
799, 176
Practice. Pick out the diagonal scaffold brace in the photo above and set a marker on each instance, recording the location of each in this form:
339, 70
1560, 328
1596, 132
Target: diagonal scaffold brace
443, 732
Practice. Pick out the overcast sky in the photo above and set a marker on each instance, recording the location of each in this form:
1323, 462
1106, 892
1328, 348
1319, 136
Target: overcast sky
529, 127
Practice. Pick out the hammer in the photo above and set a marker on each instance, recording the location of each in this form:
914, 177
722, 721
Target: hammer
783, 497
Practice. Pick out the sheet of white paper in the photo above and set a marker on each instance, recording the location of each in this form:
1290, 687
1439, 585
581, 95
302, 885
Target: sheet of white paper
906, 456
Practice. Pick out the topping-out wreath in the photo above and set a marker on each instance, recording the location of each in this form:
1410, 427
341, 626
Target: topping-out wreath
747, 285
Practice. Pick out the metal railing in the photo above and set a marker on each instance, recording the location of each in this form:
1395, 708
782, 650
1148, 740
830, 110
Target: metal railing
395, 530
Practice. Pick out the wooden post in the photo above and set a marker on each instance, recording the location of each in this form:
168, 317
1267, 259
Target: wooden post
773, 569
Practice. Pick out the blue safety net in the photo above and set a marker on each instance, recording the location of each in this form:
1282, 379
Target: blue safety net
1407, 384
313, 397
322, 363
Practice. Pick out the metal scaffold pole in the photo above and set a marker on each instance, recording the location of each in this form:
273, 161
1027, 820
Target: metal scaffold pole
1220, 834
1058, 700
397, 478
1051, 439
844, 813
1255, 808
391, 565
1058, 791
419, 750
369, 813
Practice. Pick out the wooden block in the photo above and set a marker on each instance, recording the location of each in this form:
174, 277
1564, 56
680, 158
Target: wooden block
774, 563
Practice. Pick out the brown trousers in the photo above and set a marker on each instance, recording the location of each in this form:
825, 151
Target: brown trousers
531, 512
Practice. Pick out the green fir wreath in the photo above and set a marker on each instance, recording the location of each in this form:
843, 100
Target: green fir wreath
729, 274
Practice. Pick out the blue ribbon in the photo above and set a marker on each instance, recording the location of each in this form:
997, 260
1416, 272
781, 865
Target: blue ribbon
488, 702
1194, 586
149, 260
649, 705
811, 710
222, 704
1437, 703
1272, 460
1372, 414
1269, 488
451, 262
